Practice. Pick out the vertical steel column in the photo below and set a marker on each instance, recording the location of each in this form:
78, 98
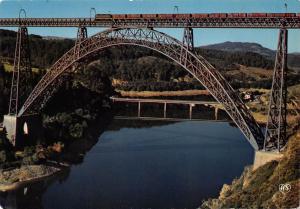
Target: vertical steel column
188, 42
191, 111
188, 38
139, 109
81, 36
20, 88
165, 110
275, 135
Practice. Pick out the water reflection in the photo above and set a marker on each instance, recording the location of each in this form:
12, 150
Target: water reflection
143, 164
31, 196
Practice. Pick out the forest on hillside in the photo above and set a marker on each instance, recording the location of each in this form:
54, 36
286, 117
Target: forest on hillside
139, 69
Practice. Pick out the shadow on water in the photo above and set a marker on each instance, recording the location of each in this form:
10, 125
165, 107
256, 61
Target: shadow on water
134, 164
30, 196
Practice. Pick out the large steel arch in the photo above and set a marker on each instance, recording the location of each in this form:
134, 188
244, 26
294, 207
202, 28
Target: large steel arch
196, 65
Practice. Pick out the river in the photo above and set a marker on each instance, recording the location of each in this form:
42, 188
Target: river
144, 164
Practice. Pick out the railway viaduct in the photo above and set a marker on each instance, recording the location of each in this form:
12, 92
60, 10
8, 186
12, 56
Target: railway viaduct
138, 30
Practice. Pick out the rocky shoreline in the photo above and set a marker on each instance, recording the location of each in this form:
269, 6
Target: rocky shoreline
260, 188
17, 177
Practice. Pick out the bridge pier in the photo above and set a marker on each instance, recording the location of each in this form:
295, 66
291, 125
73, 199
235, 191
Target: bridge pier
24, 130
191, 111
165, 110
139, 109
263, 157
275, 134
216, 113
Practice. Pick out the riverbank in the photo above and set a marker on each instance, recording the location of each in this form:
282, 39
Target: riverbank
260, 188
163, 93
17, 177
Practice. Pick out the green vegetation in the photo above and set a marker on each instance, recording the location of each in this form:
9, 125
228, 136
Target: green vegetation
142, 69
65, 119
43, 52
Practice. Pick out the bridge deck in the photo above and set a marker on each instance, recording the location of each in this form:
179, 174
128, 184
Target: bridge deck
166, 119
163, 101
221, 20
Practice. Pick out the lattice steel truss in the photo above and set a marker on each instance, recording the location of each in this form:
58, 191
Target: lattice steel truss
166, 45
188, 42
205, 22
275, 135
81, 36
188, 38
59, 81
20, 88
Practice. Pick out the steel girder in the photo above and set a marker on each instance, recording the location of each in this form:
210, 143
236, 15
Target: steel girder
204, 72
205, 22
20, 88
188, 42
81, 36
275, 134
58, 82
188, 38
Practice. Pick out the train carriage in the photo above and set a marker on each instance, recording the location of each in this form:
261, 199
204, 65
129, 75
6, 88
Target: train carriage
199, 16
236, 15
100, 17
280, 15
183, 16
119, 16
133, 16
290, 14
149, 16
103, 16
166, 16
255, 15
218, 15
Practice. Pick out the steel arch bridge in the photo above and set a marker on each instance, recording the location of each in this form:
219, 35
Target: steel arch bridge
196, 65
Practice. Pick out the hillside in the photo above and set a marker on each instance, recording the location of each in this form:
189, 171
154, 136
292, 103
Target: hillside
44, 52
135, 68
242, 47
293, 58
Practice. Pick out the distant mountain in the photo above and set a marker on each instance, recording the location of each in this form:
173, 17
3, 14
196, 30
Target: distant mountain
293, 58
55, 38
242, 46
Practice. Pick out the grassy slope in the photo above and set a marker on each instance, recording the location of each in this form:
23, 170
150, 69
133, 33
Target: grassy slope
259, 110
162, 93
9, 68
252, 72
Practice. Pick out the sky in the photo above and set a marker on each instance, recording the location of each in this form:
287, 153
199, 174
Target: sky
81, 8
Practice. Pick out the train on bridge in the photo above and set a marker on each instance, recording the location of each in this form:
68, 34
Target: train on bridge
195, 16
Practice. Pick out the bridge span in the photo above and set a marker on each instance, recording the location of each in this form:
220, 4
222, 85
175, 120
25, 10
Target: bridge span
163, 101
190, 103
212, 20
138, 30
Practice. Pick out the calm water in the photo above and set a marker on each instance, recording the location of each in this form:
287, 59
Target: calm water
150, 165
